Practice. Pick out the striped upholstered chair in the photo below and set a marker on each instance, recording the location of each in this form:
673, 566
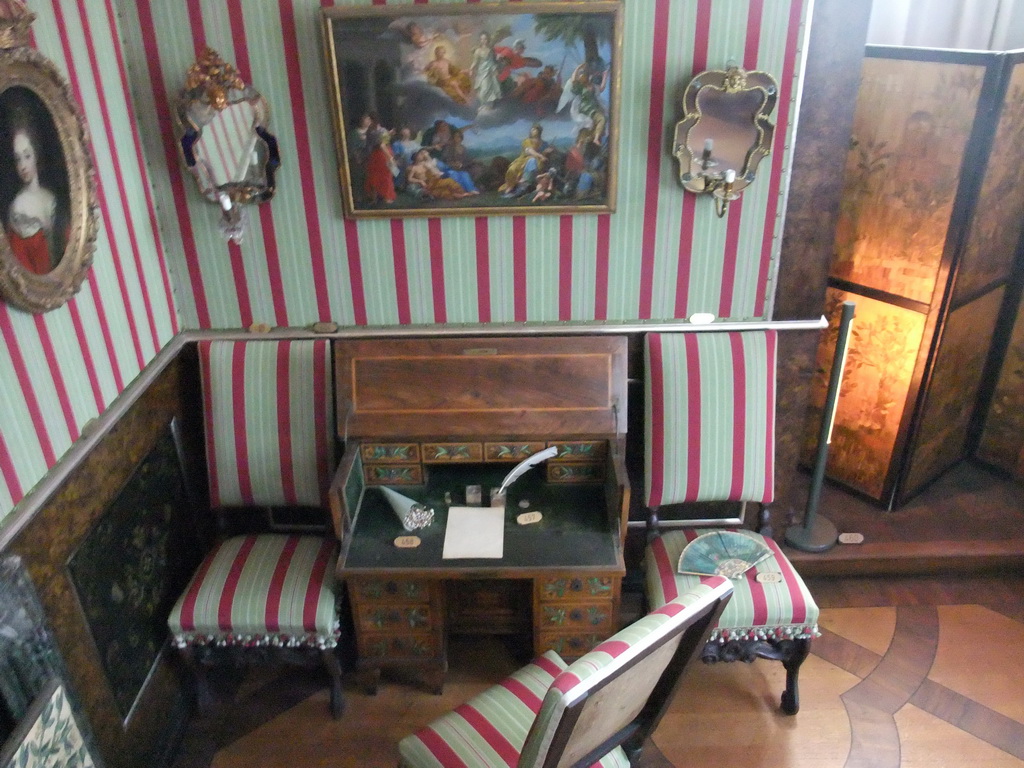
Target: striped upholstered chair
710, 436
269, 444
617, 693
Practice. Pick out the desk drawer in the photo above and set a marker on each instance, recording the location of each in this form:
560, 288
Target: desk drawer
386, 618
390, 453
575, 588
578, 617
394, 645
511, 451
575, 472
580, 450
569, 646
393, 474
443, 453
390, 590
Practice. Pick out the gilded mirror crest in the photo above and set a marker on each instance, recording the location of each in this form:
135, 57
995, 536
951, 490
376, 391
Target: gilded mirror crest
725, 132
222, 122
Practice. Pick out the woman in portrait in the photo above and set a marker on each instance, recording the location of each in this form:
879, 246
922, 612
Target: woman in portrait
426, 180
484, 71
32, 215
33, 219
523, 172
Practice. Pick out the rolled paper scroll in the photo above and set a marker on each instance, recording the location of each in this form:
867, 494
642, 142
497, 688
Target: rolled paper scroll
411, 514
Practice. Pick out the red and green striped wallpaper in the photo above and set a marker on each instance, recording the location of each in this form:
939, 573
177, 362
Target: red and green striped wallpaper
60, 369
662, 255
162, 265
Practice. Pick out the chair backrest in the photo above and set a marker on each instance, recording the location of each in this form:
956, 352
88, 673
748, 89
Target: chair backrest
709, 416
616, 694
268, 417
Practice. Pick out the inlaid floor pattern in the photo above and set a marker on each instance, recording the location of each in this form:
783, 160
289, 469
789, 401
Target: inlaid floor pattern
885, 687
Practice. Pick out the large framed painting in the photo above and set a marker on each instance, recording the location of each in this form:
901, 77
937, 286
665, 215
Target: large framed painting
47, 187
490, 108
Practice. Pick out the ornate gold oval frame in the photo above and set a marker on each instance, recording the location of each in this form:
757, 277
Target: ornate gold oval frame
26, 68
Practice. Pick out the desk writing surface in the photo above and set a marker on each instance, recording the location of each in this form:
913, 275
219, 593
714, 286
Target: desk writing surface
574, 533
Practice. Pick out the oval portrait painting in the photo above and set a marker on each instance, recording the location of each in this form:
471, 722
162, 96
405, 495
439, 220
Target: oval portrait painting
47, 189
34, 197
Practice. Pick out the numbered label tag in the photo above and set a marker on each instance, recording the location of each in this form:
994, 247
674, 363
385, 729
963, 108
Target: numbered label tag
407, 542
769, 577
851, 538
529, 517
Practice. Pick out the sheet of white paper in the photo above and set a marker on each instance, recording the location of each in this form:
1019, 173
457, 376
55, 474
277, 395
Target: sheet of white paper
474, 532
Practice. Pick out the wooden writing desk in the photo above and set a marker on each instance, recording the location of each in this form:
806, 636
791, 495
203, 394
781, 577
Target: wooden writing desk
427, 417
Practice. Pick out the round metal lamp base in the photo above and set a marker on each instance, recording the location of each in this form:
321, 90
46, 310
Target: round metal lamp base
819, 536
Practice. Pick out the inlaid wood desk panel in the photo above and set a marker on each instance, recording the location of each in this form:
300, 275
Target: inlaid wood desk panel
558, 581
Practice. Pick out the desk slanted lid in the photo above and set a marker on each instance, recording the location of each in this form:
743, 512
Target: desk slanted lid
481, 386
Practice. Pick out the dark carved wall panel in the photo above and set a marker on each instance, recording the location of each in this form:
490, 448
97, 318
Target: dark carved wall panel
127, 599
56, 532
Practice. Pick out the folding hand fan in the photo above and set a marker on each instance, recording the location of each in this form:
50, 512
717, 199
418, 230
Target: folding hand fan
721, 553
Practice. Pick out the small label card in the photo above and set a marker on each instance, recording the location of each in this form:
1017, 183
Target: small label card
407, 542
769, 577
851, 538
529, 517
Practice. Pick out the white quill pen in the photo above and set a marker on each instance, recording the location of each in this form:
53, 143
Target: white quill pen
525, 464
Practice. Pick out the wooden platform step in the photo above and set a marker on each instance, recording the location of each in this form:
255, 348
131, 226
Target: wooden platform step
912, 558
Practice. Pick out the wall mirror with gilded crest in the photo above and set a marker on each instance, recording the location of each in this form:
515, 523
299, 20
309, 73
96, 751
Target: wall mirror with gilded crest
725, 131
224, 141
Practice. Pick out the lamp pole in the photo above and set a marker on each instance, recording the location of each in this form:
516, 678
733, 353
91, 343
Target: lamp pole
817, 534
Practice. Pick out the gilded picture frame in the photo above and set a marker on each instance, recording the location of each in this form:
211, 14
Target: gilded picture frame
47, 185
488, 109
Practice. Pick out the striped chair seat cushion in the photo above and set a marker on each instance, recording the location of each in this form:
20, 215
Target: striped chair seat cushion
266, 589
489, 730
773, 610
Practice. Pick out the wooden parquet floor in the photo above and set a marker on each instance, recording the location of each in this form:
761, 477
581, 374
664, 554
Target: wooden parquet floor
909, 671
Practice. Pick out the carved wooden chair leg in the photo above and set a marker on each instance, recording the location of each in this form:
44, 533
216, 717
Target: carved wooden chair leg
334, 670
204, 697
792, 662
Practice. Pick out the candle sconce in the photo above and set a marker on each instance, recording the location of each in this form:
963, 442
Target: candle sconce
725, 132
224, 141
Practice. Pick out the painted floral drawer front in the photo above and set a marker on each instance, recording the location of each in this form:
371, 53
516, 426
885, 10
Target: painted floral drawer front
570, 646
397, 646
394, 617
572, 588
580, 450
593, 616
391, 452
445, 452
393, 474
511, 451
391, 590
575, 472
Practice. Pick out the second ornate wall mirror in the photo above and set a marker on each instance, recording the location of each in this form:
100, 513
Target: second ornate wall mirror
725, 132
224, 140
